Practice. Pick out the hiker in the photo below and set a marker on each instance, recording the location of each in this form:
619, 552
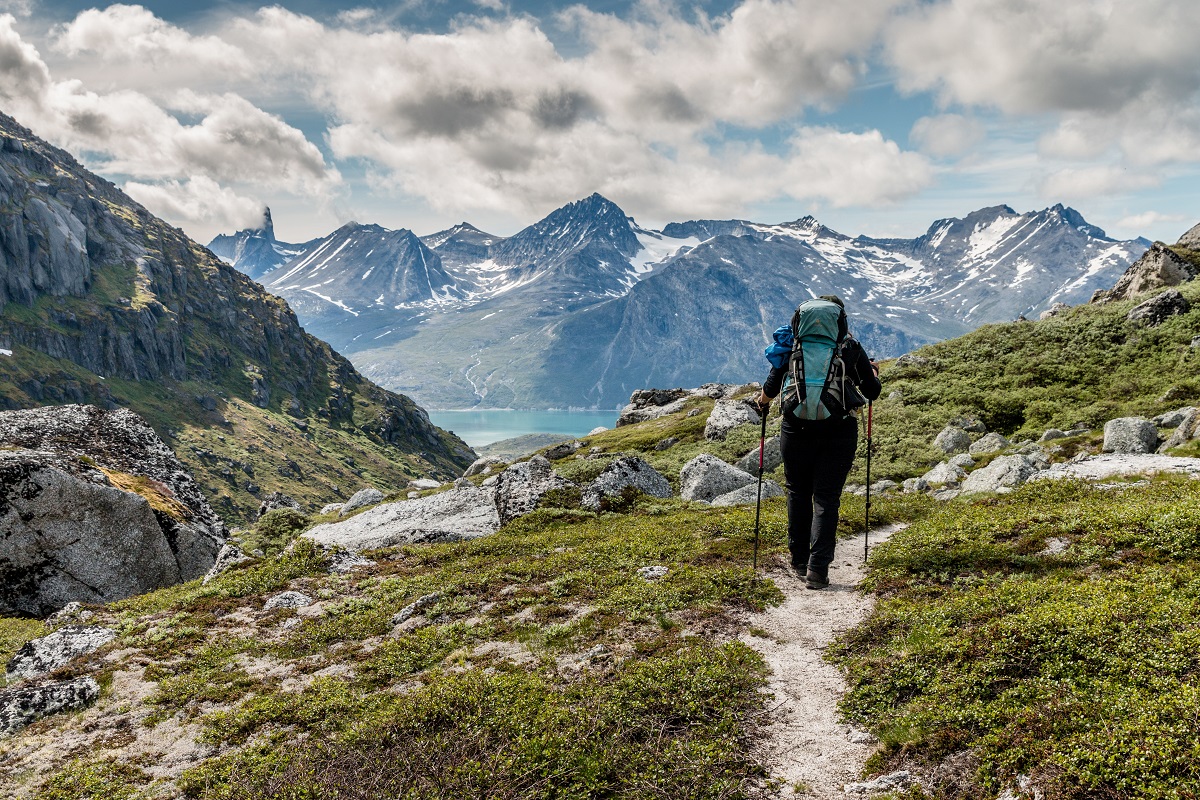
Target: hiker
825, 377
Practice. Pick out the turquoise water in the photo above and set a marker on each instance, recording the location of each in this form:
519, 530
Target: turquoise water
478, 428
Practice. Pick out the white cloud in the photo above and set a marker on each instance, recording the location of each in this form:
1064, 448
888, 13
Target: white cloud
197, 201
1149, 219
947, 135
19, 8
1084, 183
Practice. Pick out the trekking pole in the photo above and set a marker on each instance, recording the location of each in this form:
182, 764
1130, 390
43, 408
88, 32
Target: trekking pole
762, 445
867, 528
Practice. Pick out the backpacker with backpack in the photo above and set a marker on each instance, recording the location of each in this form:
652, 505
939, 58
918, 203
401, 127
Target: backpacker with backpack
816, 385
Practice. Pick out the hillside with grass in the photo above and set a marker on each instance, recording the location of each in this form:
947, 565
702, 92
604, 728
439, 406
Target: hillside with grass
101, 302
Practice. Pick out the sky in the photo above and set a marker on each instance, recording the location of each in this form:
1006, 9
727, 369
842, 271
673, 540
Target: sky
877, 117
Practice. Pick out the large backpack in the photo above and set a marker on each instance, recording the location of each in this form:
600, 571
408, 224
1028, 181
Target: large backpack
816, 386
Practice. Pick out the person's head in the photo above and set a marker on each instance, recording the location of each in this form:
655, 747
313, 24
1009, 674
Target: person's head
833, 298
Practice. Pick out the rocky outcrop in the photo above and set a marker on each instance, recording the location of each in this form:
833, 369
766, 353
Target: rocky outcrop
772, 457
749, 494
521, 487
42, 656
1186, 429
276, 501
952, 440
647, 404
1130, 435
623, 473
464, 512
1158, 309
26, 705
1160, 267
988, 443
95, 507
727, 415
707, 477
943, 473
361, 499
1101, 467
483, 466
1003, 474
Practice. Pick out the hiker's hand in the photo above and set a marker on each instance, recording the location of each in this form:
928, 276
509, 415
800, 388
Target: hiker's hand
763, 403
875, 368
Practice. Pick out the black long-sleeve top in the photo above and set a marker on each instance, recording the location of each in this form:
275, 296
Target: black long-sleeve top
858, 369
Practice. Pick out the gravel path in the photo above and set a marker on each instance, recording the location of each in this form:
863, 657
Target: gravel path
805, 746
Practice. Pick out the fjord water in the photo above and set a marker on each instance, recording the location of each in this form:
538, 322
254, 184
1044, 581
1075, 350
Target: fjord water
481, 427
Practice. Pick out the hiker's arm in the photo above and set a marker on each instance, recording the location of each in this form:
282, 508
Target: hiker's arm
868, 375
771, 388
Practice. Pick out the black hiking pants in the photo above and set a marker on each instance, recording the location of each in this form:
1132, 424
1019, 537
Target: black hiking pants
816, 460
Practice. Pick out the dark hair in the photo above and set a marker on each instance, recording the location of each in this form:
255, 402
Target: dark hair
833, 298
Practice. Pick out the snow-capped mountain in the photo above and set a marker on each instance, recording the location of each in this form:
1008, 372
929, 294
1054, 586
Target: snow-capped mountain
255, 251
586, 305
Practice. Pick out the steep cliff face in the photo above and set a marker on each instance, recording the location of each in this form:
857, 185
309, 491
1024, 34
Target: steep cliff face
105, 303
1162, 265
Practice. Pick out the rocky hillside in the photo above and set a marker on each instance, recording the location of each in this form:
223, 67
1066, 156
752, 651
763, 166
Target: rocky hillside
104, 303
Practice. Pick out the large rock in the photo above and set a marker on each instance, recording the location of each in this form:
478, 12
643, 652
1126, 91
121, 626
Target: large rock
988, 443
1130, 435
94, 507
727, 415
483, 466
772, 457
952, 440
1159, 267
42, 656
229, 556
1159, 309
1185, 430
944, 472
707, 477
361, 499
749, 494
1003, 474
276, 501
464, 512
521, 487
1112, 465
620, 474
26, 705
1173, 419
647, 404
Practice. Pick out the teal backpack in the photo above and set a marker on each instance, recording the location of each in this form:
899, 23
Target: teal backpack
816, 386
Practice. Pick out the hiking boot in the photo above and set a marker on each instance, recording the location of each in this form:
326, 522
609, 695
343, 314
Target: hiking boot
801, 570
816, 580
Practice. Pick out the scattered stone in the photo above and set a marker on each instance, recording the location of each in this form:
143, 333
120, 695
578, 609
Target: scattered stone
962, 461
884, 486
946, 494
287, 600
1159, 309
647, 404
1053, 311
772, 458
410, 610
885, 783
727, 415
707, 477
749, 494
1109, 465
620, 474
909, 360
952, 440
860, 737
597, 429
1054, 546
666, 444
460, 513
21, 707
1173, 419
361, 499
229, 555
1130, 435
1187, 429
944, 473
1051, 434
912, 485
855, 489
421, 484
522, 486
598, 653
652, 573
895, 394
71, 612
1003, 474
562, 450
969, 423
42, 656
275, 501
483, 466
695, 412
989, 443
332, 508
342, 560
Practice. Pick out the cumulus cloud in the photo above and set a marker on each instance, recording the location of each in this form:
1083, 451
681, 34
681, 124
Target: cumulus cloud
1149, 219
1082, 183
947, 135
198, 200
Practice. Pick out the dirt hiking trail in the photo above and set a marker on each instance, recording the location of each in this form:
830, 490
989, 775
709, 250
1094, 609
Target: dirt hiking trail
804, 744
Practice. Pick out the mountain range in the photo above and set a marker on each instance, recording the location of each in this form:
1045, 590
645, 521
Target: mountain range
103, 303
584, 306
